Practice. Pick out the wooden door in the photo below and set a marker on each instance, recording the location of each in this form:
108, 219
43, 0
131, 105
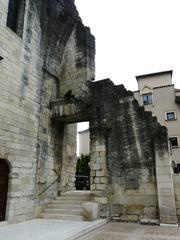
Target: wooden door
4, 172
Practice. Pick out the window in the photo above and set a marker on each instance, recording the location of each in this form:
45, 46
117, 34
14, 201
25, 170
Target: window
174, 142
147, 98
177, 168
15, 17
170, 116
12, 14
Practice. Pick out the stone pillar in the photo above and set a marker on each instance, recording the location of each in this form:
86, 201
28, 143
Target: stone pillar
165, 187
98, 181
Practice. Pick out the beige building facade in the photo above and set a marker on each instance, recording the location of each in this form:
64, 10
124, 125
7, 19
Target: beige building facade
157, 94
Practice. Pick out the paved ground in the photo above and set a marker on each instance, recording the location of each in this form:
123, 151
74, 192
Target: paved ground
41, 229
130, 231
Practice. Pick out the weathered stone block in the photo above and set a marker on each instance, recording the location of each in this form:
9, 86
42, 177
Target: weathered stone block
151, 211
131, 218
100, 160
103, 200
90, 211
149, 221
102, 154
103, 180
96, 166
135, 209
100, 173
101, 186
101, 148
93, 173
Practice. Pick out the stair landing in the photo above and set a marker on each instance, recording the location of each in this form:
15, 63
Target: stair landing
67, 207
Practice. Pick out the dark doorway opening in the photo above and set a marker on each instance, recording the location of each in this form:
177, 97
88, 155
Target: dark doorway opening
83, 173
4, 177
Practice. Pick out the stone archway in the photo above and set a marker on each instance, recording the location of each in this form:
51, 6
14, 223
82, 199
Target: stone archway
4, 177
129, 153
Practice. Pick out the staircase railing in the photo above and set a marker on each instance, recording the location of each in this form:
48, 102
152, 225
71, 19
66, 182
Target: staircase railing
50, 183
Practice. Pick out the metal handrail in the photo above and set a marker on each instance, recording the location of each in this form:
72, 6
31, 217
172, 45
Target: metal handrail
51, 183
49, 186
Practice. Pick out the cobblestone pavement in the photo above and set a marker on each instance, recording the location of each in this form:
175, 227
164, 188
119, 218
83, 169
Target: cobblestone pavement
130, 231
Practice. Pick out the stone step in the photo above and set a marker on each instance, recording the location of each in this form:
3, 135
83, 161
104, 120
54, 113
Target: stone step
63, 206
77, 193
68, 202
63, 211
67, 207
74, 198
61, 216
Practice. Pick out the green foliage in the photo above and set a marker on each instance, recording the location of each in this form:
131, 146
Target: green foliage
82, 167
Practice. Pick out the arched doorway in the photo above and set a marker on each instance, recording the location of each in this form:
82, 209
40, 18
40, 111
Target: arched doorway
4, 176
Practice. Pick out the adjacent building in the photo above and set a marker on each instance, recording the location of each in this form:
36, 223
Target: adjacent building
158, 95
84, 142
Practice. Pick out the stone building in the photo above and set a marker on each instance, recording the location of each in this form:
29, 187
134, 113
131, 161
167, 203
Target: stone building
45, 53
46, 75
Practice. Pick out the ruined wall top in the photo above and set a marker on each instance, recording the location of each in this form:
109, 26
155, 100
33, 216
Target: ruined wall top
60, 20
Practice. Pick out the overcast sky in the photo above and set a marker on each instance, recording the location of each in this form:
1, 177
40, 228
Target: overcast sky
134, 37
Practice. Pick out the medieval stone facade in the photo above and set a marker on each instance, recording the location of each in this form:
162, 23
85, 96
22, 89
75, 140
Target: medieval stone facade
48, 53
46, 73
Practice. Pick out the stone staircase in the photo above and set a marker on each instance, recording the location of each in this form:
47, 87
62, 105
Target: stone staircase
67, 207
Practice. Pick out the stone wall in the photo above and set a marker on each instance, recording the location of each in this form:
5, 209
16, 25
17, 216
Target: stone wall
130, 171
19, 109
52, 56
158, 109
131, 174
176, 179
69, 158
131, 192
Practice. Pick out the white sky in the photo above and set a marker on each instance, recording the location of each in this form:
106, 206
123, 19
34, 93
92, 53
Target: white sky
133, 37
